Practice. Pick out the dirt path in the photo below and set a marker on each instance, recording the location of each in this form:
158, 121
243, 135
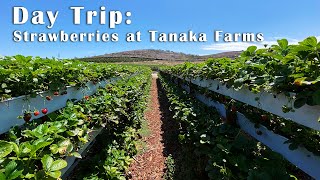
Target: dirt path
151, 163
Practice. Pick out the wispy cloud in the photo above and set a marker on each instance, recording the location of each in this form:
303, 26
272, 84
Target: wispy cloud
92, 53
232, 46
239, 46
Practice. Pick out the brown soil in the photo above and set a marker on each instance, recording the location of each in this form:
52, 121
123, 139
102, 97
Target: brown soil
151, 163
161, 143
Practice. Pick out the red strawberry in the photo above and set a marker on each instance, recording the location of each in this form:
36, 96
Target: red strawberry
44, 110
56, 93
27, 117
36, 113
86, 97
49, 98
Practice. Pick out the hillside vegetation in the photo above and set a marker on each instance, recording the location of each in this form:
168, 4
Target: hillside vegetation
155, 55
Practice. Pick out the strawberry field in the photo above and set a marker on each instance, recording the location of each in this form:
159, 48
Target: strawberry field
91, 98
270, 94
253, 117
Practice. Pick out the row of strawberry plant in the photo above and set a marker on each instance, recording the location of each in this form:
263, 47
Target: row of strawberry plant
291, 130
229, 153
288, 138
38, 104
112, 153
39, 150
273, 73
20, 75
17, 111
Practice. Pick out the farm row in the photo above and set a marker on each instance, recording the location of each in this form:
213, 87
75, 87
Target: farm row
280, 68
32, 75
271, 94
46, 147
221, 149
253, 117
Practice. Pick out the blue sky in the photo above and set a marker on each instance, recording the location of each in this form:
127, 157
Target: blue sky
294, 20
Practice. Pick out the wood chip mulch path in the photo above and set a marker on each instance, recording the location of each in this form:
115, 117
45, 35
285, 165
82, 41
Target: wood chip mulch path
151, 163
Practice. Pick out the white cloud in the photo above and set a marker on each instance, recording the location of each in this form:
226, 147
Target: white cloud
239, 46
232, 46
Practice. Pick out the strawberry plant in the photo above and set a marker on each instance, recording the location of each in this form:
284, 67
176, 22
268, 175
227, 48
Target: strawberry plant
228, 152
292, 70
289, 129
280, 68
39, 149
31, 75
51, 167
112, 154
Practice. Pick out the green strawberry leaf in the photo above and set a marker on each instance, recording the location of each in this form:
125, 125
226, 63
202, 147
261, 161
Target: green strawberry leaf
76, 154
47, 162
58, 165
5, 148
11, 171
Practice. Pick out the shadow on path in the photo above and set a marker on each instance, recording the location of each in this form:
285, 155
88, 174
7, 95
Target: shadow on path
184, 160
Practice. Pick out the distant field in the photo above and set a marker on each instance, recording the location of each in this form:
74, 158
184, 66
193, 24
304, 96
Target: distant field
155, 62
158, 57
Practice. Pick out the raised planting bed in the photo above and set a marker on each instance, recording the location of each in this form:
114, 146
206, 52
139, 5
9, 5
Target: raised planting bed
72, 161
301, 157
12, 108
306, 115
